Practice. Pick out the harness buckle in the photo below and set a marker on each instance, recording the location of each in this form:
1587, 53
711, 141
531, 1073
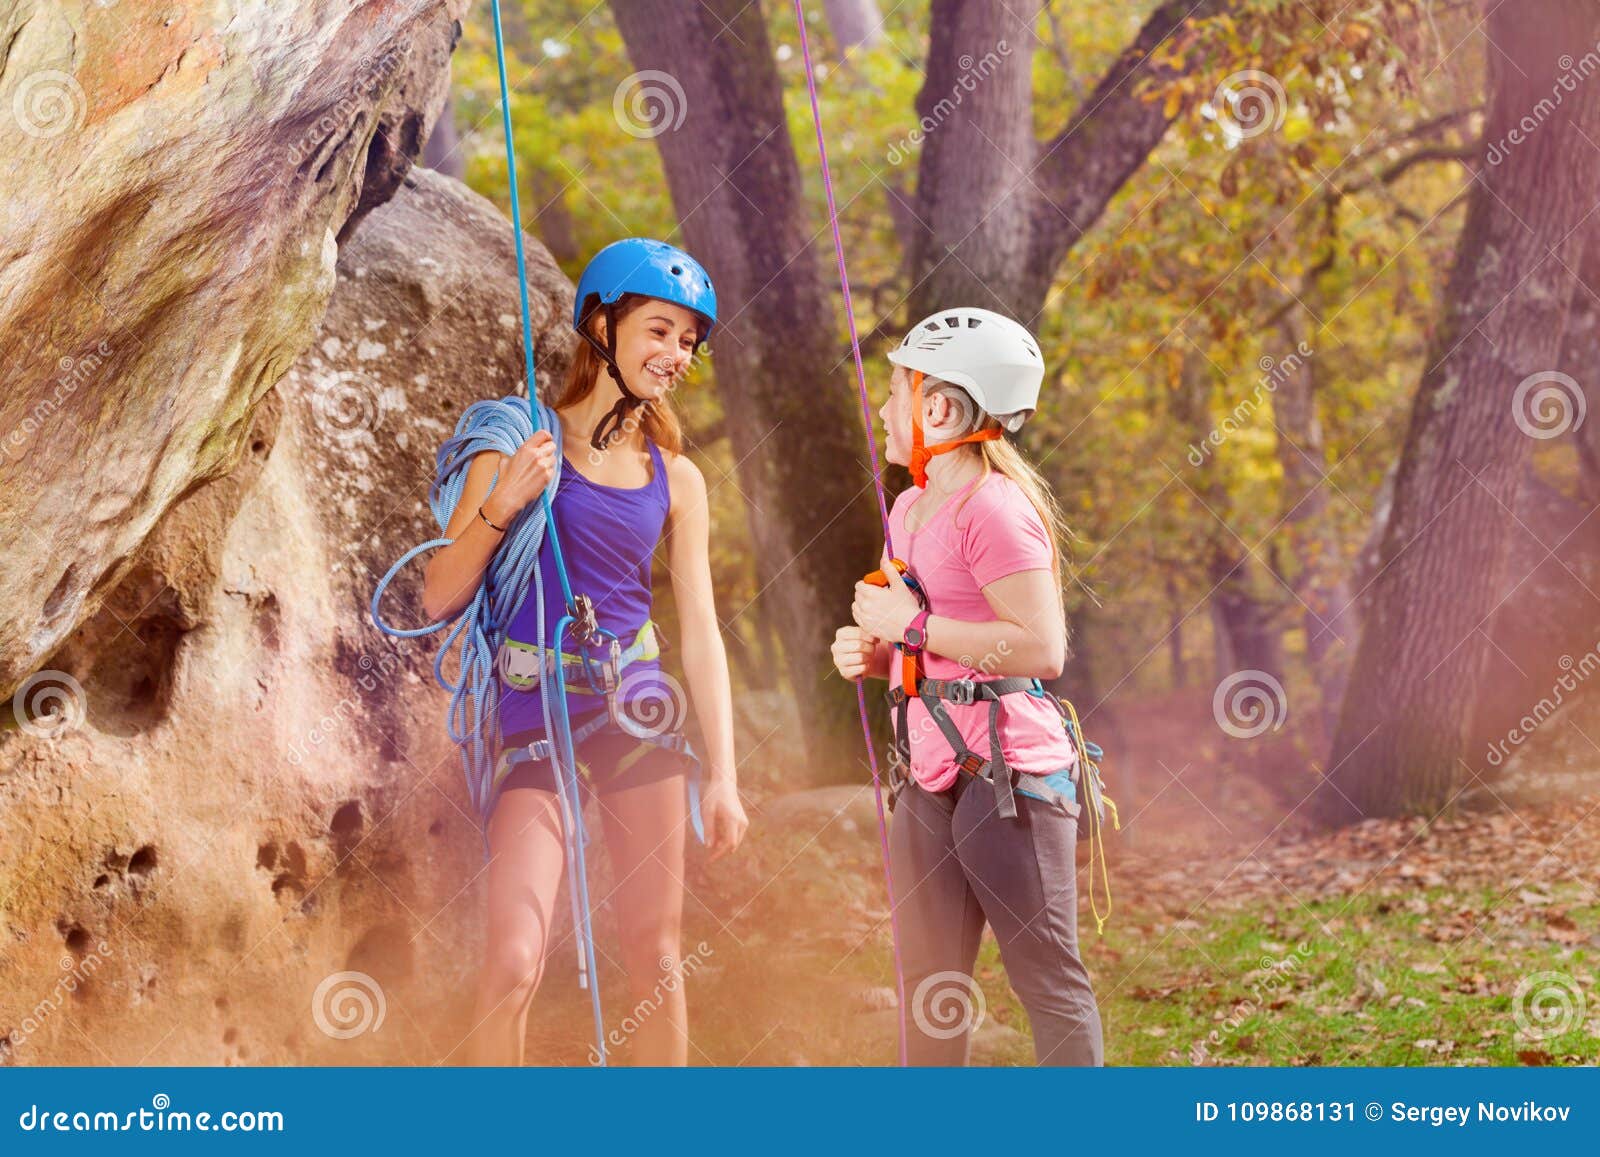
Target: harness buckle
962, 691
611, 669
972, 763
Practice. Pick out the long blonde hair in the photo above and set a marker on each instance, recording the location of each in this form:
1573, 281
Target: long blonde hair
657, 418
1002, 457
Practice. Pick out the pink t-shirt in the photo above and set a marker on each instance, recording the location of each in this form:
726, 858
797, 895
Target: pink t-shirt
955, 555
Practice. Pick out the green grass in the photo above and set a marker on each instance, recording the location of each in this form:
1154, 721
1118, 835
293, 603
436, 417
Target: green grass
1413, 976
1339, 983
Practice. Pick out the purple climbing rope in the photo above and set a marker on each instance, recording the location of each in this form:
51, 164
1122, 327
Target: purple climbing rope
883, 511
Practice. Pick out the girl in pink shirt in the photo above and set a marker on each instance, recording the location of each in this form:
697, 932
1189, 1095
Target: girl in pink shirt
976, 839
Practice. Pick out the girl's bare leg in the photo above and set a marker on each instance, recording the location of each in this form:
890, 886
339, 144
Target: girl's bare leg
644, 829
525, 860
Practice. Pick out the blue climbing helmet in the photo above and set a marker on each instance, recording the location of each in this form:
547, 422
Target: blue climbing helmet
648, 268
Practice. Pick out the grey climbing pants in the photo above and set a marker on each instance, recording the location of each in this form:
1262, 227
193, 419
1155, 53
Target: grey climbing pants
957, 864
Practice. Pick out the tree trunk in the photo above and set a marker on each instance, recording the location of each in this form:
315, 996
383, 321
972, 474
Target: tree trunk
787, 393
1580, 346
1405, 720
442, 153
1000, 208
855, 23
1248, 624
1318, 578
975, 114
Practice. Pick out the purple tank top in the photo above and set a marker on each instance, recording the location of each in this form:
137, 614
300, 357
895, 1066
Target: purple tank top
608, 537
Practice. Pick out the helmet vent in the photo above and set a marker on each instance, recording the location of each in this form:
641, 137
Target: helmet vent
974, 323
953, 322
677, 271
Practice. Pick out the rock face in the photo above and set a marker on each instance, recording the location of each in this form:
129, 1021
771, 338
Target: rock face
176, 180
243, 838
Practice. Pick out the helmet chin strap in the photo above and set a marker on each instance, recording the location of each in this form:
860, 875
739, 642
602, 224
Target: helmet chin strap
921, 455
611, 424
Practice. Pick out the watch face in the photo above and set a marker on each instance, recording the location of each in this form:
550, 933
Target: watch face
913, 636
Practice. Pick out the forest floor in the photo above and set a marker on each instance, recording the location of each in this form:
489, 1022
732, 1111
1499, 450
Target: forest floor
1240, 934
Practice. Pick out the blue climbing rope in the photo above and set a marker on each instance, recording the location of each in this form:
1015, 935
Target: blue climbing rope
480, 628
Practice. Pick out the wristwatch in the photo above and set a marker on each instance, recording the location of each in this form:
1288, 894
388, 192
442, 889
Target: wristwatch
916, 633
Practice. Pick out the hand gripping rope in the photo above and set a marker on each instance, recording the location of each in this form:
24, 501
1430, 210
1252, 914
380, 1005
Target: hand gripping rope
883, 510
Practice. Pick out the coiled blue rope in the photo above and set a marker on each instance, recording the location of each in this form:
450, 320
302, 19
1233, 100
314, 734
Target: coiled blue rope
480, 629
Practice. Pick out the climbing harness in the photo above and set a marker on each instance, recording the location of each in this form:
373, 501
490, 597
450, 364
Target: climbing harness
481, 627
1088, 809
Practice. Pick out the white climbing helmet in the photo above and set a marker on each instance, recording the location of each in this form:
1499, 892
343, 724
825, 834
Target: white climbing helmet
991, 357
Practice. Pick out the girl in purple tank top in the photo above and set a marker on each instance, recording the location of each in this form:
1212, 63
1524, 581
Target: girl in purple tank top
642, 308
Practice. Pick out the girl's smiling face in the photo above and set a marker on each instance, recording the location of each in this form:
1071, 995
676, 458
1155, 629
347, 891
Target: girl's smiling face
655, 344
